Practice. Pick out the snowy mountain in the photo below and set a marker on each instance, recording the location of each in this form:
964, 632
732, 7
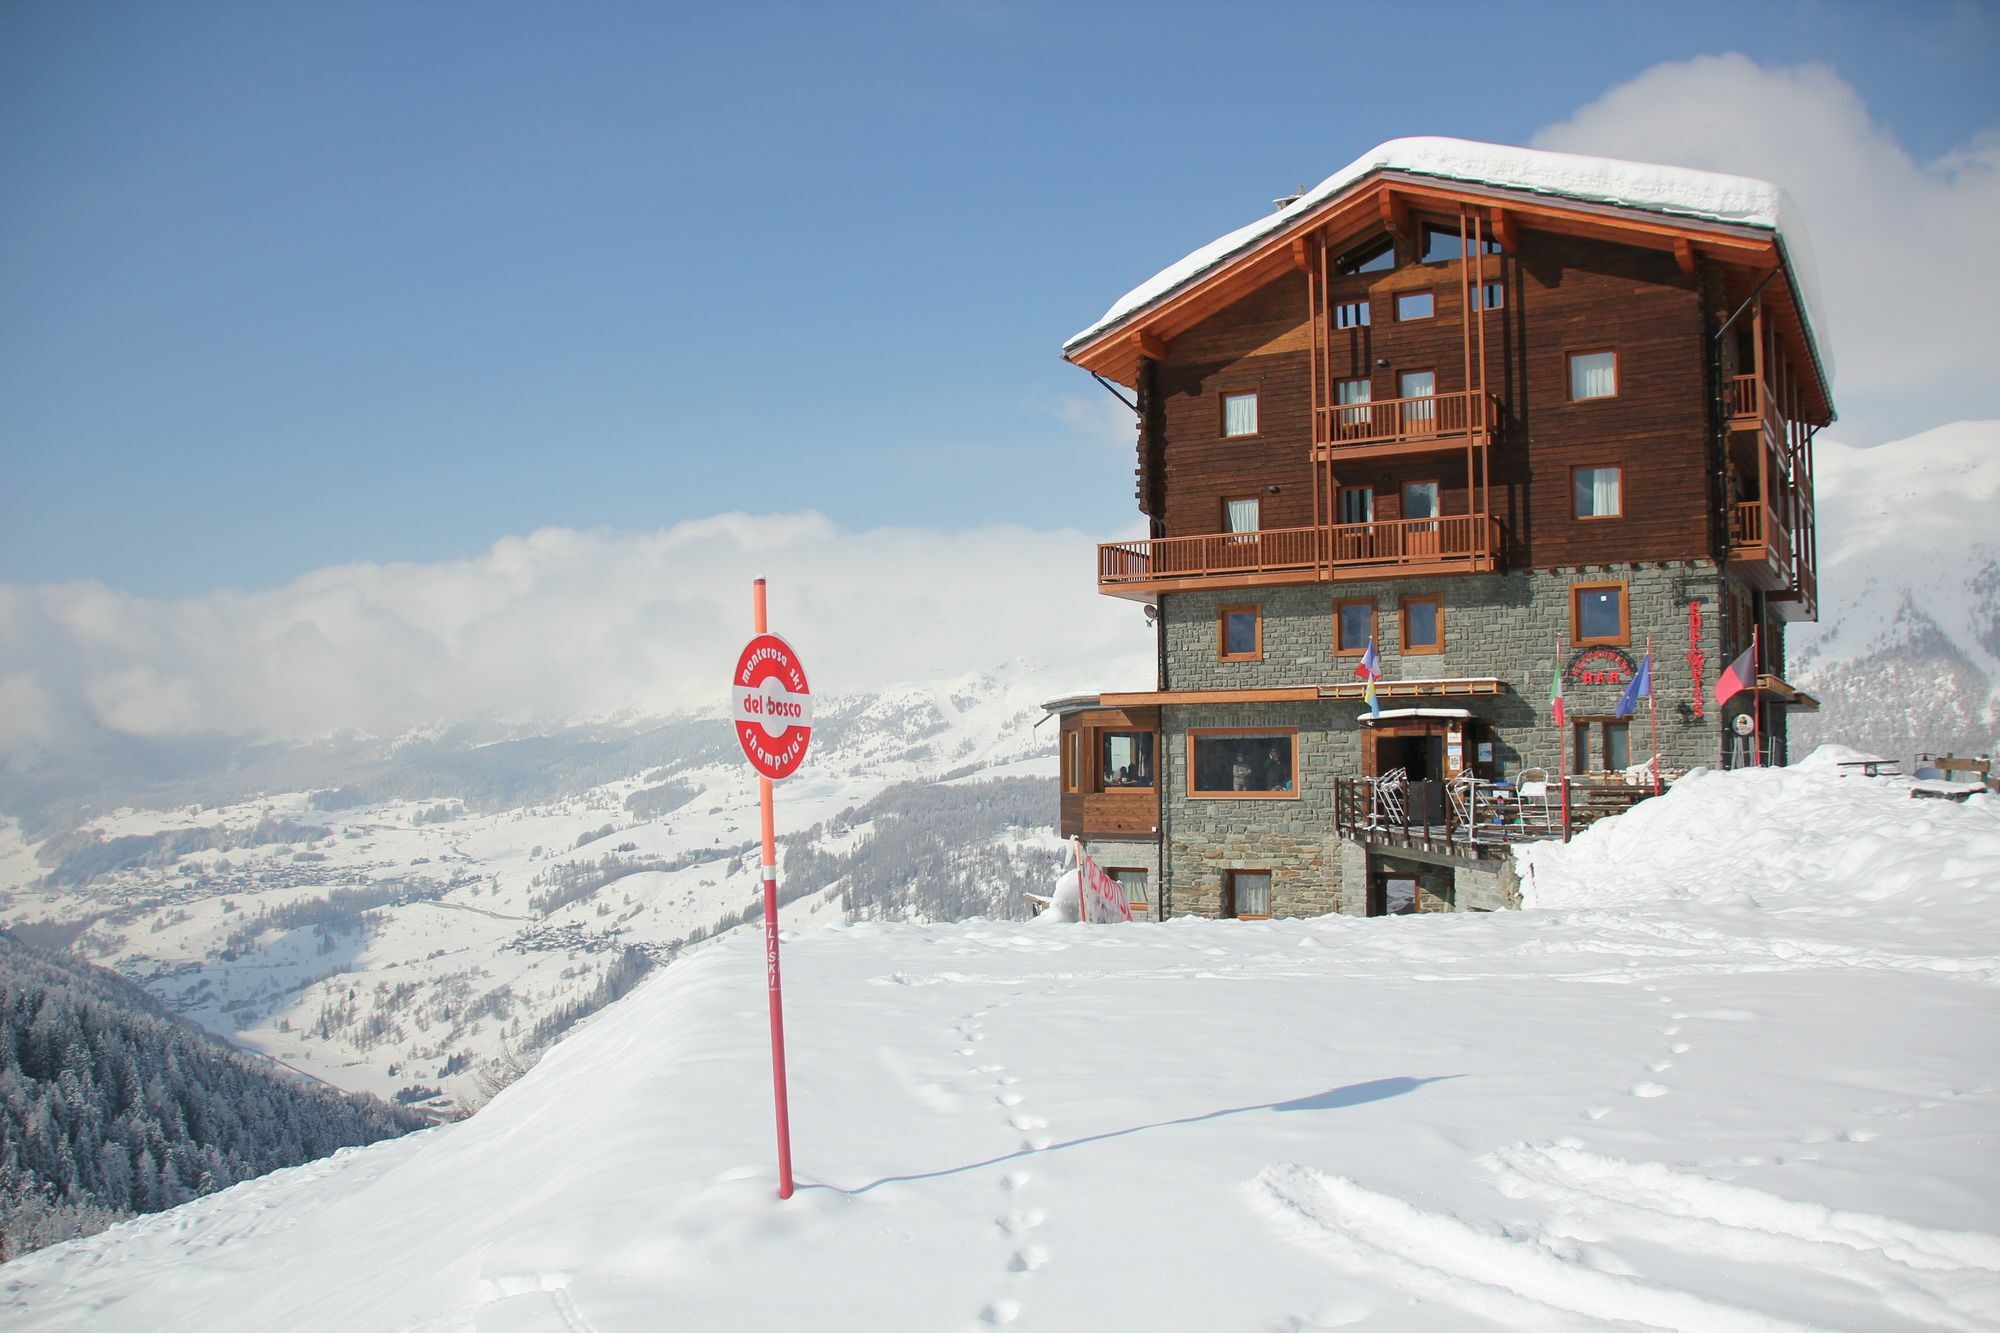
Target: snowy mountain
1906, 657
394, 916
1731, 1070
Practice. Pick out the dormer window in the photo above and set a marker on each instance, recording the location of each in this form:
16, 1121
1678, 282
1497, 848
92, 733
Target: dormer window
1378, 256
1441, 245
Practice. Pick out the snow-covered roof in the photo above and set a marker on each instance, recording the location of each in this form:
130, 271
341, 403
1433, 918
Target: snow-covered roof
1705, 195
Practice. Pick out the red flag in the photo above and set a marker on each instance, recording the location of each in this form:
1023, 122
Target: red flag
1736, 678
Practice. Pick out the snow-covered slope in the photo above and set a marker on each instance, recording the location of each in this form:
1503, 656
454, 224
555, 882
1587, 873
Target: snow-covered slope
1768, 1103
1907, 653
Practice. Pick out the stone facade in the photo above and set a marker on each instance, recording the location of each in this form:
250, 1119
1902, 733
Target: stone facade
1131, 854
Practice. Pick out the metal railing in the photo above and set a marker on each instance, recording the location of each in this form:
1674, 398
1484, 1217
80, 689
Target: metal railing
1469, 812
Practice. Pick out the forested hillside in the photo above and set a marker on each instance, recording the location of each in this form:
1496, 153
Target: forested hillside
110, 1107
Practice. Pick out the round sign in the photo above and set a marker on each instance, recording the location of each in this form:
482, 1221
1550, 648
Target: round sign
1743, 724
772, 707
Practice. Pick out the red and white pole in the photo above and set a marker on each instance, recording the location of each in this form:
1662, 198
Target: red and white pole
1653, 712
773, 982
1756, 702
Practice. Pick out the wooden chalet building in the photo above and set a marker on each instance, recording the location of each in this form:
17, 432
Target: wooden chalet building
1501, 411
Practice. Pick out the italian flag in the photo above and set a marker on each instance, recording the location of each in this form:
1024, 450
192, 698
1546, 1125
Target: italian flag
1556, 694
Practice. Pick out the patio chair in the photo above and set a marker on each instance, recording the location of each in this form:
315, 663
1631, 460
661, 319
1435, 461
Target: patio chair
1390, 789
1537, 808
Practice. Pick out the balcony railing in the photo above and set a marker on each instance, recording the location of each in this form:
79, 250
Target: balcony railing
1751, 402
1411, 545
1444, 418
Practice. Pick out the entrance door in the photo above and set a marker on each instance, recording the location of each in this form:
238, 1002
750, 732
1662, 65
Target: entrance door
1420, 500
1419, 752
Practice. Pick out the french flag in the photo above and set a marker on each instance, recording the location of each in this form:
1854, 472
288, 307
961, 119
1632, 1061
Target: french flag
1737, 677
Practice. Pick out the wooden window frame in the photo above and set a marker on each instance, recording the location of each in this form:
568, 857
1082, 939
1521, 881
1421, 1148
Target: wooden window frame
1222, 614
1229, 893
1624, 635
1113, 872
1569, 375
1256, 395
1403, 496
1360, 408
1072, 760
1619, 468
1097, 760
1224, 504
1401, 318
1362, 308
1497, 286
1582, 727
1374, 625
1195, 734
1340, 503
1403, 611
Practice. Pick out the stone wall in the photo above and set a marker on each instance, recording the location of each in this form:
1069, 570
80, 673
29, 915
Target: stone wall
1130, 854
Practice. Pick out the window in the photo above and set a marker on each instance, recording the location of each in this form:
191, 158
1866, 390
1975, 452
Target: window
1419, 415
1239, 413
1126, 759
1134, 884
1420, 500
1354, 391
1378, 256
1415, 305
1072, 752
1597, 491
1353, 627
1239, 633
1246, 894
1240, 515
1598, 614
1243, 763
1490, 297
1423, 625
1443, 244
1352, 315
1593, 375
1357, 504
1600, 744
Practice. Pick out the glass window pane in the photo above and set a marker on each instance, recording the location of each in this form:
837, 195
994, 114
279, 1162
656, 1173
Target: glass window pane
1357, 623
1253, 892
1597, 492
1598, 613
1420, 499
1420, 624
1239, 414
1127, 760
1243, 762
1239, 633
1593, 375
1134, 884
1415, 305
1357, 504
1379, 257
1354, 314
1614, 747
1242, 514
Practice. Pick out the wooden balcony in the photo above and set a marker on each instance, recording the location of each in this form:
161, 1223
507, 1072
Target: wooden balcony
1451, 544
1396, 426
1752, 405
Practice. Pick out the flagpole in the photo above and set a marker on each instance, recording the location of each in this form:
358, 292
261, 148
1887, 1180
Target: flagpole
1756, 701
1653, 711
1562, 743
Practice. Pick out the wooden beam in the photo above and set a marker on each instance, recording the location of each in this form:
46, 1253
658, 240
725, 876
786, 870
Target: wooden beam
1393, 216
1152, 698
1149, 345
1684, 254
1503, 230
1300, 259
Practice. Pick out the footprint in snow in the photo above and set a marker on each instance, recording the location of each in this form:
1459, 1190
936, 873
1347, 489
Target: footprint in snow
1649, 1090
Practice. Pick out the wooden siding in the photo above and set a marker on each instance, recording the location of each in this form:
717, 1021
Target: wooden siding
1563, 293
1093, 811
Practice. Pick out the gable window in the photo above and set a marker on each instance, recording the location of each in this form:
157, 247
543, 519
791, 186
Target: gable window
1240, 515
1415, 305
1379, 256
1597, 492
1443, 244
1593, 375
1353, 627
1490, 297
1357, 504
1239, 633
1243, 762
1352, 315
1423, 625
1351, 392
1598, 614
1134, 884
1126, 759
1246, 894
1239, 413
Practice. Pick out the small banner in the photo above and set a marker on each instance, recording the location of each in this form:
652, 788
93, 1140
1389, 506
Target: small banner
1101, 897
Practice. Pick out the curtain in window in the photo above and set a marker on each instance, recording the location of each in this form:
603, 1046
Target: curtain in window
1419, 416
1253, 893
1239, 414
1242, 515
1355, 391
1593, 375
1604, 490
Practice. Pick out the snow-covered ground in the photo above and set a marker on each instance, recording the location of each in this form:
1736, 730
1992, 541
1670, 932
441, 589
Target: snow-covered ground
1737, 1070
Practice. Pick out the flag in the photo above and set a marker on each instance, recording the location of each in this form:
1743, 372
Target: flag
1556, 694
1737, 678
1639, 687
1370, 670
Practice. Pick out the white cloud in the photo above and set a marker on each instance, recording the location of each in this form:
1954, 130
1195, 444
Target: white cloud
1905, 249
558, 625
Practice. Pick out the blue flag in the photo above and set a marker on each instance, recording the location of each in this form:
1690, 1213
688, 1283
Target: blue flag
1641, 687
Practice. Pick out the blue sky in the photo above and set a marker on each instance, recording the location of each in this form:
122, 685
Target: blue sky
285, 286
